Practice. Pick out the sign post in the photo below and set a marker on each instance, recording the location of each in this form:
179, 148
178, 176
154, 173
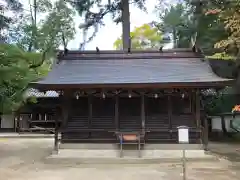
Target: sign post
183, 138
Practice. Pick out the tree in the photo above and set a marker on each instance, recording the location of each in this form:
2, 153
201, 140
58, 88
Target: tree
174, 20
143, 37
231, 19
119, 9
210, 27
17, 71
28, 57
189, 23
48, 33
5, 21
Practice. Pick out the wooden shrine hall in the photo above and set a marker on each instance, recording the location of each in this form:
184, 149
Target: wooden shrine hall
146, 93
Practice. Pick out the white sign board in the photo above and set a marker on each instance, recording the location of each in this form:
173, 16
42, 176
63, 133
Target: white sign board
183, 136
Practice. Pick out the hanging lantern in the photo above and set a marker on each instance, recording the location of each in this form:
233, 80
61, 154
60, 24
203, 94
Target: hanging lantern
103, 95
77, 95
183, 95
130, 95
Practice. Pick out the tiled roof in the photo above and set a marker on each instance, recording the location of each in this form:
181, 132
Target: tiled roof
89, 67
36, 93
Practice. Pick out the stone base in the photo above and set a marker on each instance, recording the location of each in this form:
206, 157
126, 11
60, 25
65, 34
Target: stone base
129, 156
108, 146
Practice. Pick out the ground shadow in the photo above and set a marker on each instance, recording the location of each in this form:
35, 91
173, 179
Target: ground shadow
228, 150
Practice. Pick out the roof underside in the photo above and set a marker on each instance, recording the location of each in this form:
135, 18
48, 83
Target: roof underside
100, 69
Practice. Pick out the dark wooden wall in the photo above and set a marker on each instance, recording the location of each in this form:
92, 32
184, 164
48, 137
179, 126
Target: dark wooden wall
41, 114
92, 119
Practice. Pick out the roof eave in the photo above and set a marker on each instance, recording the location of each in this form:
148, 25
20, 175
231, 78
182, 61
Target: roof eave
223, 83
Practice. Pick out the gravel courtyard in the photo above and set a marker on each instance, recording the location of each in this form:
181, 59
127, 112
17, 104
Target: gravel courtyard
24, 159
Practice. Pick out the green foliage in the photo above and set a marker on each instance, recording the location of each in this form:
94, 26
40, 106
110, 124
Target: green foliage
143, 37
221, 56
16, 74
222, 102
36, 40
231, 17
188, 20
55, 29
176, 19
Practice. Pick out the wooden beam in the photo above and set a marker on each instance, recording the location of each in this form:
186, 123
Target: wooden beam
136, 85
117, 112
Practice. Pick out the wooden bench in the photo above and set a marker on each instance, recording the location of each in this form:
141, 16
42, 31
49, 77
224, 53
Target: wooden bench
130, 137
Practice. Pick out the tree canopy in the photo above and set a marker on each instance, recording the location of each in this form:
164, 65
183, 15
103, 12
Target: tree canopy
16, 73
29, 48
143, 37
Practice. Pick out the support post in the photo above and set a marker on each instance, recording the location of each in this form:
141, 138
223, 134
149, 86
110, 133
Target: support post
197, 110
205, 134
142, 123
169, 104
116, 112
56, 140
90, 112
142, 111
65, 101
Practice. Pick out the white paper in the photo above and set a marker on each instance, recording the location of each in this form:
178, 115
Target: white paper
183, 136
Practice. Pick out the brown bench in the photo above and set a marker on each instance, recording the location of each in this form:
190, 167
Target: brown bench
130, 137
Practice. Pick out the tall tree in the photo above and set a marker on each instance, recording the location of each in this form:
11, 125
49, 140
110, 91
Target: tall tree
143, 37
46, 34
190, 23
175, 21
119, 9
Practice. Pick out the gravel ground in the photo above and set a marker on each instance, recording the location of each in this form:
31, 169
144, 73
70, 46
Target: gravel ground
24, 159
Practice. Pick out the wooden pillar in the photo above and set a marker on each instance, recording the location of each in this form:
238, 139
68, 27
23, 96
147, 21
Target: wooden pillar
90, 112
142, 111
65, 101
56, 140
198, 118
205, 133
117, 112
197, 110
17, 121
169, 104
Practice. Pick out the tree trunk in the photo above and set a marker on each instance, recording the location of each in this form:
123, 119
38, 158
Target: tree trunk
126, 25
174, 38
197, 14
35, 12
